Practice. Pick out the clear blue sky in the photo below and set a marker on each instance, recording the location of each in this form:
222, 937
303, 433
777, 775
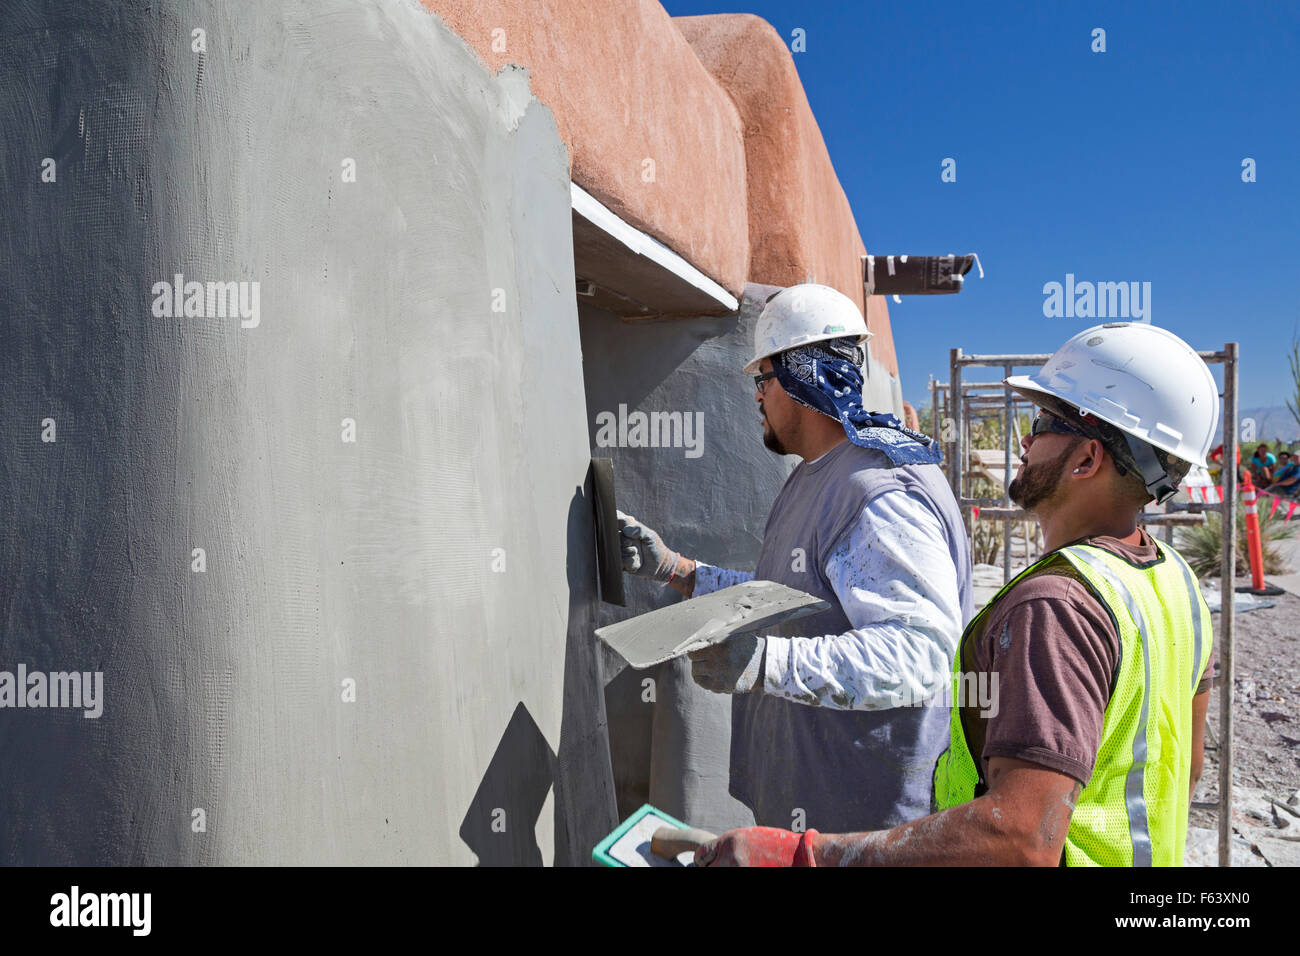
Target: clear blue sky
1115, 166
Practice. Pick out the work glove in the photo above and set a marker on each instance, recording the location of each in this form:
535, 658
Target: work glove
734, 666
758, 846
644, 552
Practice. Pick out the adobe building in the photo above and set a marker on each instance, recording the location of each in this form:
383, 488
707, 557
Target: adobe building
310, 312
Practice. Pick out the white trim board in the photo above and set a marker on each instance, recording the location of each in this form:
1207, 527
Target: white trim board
636, 241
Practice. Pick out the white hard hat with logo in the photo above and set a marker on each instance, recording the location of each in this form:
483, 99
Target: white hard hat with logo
1142, 379
802, 314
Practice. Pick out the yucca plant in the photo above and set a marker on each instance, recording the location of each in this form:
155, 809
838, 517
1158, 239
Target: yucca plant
1202, 545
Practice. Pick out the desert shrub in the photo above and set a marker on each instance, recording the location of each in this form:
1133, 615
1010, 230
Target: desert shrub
1202, 545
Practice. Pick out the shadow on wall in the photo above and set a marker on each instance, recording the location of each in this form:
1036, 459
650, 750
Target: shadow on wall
585, 808
500, 824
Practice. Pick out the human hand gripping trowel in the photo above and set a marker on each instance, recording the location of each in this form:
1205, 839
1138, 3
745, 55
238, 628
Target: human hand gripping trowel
667, 632
671, 842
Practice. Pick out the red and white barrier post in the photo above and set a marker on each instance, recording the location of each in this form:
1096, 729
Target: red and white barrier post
1254, 544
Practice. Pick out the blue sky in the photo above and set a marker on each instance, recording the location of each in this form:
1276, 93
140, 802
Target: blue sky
1116, 166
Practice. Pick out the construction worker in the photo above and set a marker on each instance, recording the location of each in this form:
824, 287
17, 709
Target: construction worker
1100, 651
829, 723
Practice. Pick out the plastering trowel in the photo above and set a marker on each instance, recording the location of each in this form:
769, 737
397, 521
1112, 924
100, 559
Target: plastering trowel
650, 837
609, 557
680, 628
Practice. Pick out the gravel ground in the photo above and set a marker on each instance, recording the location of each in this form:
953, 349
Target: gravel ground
1266, 724
1266, 697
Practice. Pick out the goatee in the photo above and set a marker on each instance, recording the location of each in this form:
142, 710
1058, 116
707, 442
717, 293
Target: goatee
773, 443
770, 440
1034, 484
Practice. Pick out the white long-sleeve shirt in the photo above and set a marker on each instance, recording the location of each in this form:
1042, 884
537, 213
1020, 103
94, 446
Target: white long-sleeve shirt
896, 582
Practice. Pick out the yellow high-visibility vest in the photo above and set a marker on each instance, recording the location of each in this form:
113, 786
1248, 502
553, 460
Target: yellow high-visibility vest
1133, 810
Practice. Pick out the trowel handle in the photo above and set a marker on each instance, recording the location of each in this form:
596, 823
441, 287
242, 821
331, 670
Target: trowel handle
668, 842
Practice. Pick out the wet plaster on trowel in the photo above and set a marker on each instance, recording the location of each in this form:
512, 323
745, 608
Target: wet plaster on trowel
668, 632
326, 561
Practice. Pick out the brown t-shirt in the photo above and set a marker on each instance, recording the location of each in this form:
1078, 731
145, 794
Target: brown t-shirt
1055, 650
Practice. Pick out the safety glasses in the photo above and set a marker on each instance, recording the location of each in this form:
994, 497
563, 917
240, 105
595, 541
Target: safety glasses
760, 381
1045, 422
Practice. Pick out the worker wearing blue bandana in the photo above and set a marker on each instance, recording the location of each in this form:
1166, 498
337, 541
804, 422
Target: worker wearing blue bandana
827, 377
838, 717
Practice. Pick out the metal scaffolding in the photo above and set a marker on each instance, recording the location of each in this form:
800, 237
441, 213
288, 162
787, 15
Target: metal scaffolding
980, 401
951, 420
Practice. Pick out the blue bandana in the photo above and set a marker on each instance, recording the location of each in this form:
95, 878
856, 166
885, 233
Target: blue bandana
820, 377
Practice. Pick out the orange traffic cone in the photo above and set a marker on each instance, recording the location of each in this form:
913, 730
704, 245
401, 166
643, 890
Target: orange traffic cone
1254, 545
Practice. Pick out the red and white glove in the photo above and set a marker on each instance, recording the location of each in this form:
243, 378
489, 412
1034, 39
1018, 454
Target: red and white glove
758, 846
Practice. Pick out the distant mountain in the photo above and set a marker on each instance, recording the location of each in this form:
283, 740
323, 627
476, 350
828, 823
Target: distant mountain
1270, 424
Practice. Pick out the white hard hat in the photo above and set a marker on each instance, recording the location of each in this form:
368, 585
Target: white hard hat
802, 314
1142, 379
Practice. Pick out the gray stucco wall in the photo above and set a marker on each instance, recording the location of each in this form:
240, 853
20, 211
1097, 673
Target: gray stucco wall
881, 392
442, 561
713, 507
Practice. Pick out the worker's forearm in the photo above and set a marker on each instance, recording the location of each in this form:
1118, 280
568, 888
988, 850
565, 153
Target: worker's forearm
895, 581
1200, 706
709, 578
878, 667
979, 833
683, 580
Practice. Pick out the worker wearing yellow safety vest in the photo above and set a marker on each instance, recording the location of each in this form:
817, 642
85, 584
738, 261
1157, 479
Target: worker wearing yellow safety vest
1097, 657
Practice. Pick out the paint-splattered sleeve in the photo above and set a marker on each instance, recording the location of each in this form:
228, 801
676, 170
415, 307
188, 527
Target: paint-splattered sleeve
1053, 650
709, 578
894, 578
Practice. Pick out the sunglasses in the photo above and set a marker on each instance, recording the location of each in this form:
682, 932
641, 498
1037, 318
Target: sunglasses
1046, 423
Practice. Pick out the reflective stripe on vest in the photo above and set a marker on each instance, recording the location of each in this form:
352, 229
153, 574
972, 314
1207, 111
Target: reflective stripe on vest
1134, 797
1193, 592
1133, 809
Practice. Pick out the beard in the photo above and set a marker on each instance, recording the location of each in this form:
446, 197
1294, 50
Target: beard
770, 439
1036, 483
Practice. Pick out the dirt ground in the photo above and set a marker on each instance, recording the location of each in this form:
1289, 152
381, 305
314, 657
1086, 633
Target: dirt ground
1266, 720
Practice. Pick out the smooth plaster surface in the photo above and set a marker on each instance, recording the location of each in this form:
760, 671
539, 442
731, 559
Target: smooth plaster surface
443, 561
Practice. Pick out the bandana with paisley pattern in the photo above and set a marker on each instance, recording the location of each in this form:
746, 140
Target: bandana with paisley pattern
821, 377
